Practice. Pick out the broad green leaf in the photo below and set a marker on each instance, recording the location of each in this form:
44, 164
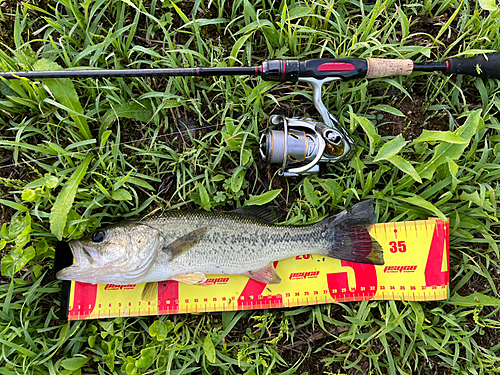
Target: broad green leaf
405, 166
299, 12
217, 178
161, 329
147, 358
121, 195
310, 194
91, 340
64, 201
237, 179
104, 137
391, 148
16, 260
74, 363
333, 188
37, 270
264, 198
4, 232
41, 247
490, 5
473, 198
437, 136
369, 129
452, 151
205, 198
65, 93
6, 90
245, 157
475, 299
29, 195
20, 226
47, 181
422, 203
14, 205
140, 182
141, 111
389, 109
209, 349
75, 227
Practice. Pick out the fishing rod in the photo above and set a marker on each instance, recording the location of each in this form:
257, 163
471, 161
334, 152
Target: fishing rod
303, 142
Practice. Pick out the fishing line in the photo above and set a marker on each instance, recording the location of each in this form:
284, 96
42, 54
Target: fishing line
85, 152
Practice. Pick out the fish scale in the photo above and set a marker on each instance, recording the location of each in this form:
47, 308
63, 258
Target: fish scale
233, 244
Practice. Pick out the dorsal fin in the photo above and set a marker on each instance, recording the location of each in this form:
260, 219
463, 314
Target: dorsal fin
261, 213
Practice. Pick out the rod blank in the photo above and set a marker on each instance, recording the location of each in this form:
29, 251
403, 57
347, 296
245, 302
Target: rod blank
108, 73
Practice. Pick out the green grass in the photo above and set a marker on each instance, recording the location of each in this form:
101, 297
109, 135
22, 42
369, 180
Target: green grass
91, 150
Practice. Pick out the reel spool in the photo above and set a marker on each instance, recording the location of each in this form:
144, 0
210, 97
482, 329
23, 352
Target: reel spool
301, 145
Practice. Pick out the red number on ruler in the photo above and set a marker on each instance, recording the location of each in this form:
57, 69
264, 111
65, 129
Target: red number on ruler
305, 256
397, 246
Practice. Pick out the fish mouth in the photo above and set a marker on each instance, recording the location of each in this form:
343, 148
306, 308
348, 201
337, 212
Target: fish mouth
85, 257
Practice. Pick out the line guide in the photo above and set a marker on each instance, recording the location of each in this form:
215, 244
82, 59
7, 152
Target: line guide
416, 269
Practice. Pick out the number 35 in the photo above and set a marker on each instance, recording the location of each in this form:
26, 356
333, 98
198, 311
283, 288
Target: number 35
397, 246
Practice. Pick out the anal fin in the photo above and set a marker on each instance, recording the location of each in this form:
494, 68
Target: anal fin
266, 275
191, 278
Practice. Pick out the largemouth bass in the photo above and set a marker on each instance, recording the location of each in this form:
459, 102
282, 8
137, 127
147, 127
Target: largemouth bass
187, 245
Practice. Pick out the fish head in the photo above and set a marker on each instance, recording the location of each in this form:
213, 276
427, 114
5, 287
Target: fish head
118, 254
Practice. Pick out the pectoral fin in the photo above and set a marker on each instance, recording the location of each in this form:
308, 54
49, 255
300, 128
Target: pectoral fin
265, 275
190, 278
184, 243
150, 292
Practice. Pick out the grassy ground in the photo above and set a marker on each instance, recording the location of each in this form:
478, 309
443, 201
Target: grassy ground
142, 144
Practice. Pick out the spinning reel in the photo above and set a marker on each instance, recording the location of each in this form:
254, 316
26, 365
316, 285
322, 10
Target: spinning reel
304, 143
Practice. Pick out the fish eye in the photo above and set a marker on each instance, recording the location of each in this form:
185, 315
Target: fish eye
98, 236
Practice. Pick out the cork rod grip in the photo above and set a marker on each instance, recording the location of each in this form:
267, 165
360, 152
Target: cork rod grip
378, 68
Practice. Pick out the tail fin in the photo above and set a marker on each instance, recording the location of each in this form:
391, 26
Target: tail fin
350, 237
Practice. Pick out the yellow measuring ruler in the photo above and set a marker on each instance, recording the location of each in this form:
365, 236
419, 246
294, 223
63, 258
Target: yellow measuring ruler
416, 268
